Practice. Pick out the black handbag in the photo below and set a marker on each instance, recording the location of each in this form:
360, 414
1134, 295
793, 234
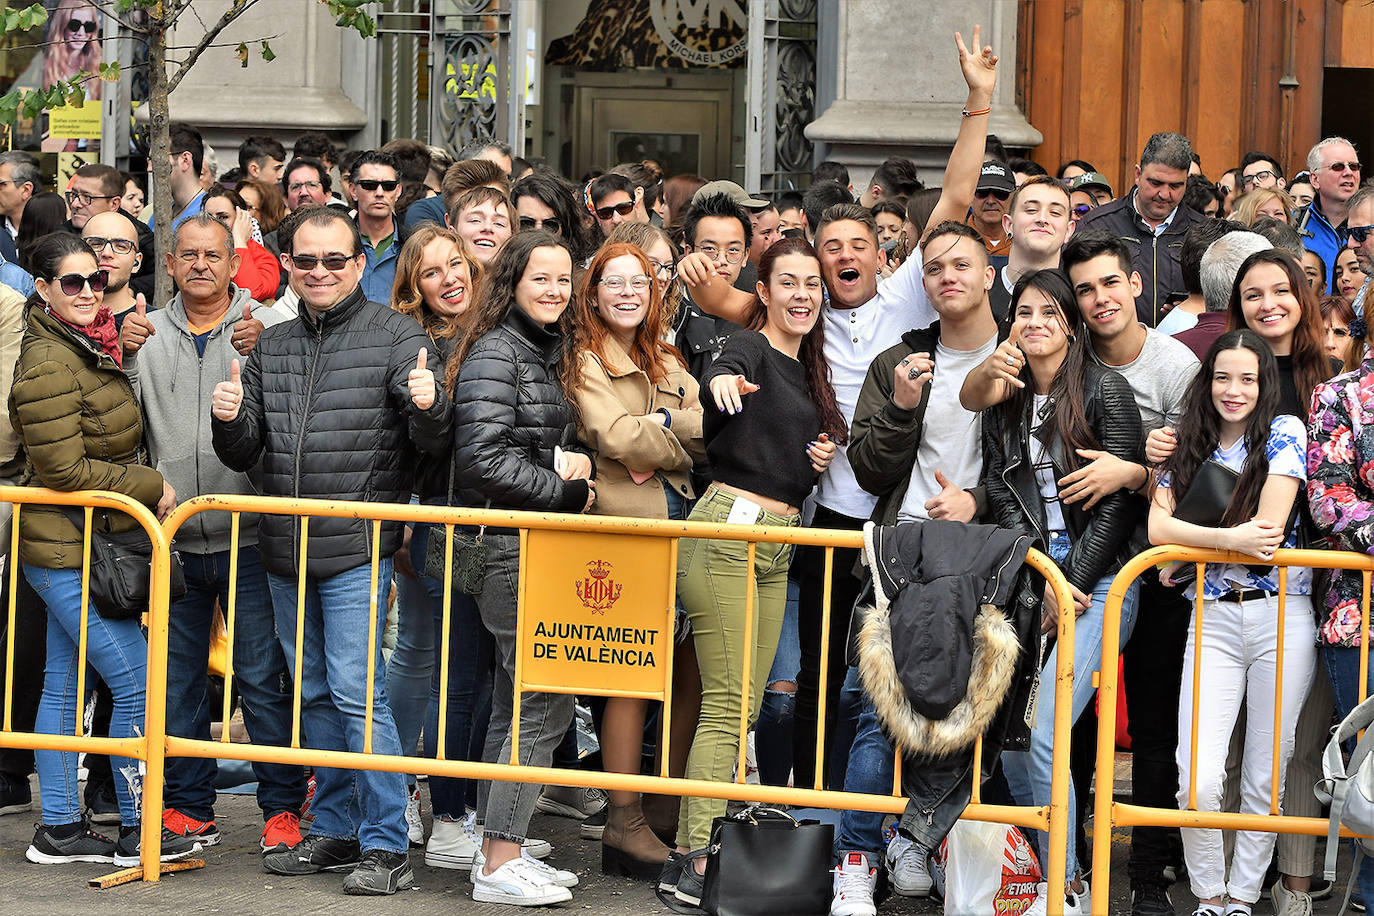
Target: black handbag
1205, 503
121, 568
469, 554
764, 862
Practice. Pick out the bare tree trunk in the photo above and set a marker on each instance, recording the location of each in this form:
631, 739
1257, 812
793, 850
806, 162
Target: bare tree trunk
160, 151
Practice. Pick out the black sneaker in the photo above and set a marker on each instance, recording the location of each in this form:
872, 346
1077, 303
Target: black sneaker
312, 855
690, 885
174, 846
593, 825
672, 869
102, 805
380, 874
1150, 900
63, 843
15, 795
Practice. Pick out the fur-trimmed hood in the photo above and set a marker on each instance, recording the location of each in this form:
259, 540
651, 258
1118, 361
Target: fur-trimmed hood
939, 587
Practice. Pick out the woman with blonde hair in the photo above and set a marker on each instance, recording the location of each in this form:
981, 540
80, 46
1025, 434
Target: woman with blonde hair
1273, 203
72, 42
640, 414
436, 283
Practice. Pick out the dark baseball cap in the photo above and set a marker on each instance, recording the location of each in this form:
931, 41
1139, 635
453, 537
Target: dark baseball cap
1090, 180
996, 177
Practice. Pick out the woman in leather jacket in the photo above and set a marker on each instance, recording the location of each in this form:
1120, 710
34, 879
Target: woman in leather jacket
1063, 405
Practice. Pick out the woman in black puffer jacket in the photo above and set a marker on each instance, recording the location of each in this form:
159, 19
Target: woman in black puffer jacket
510, 416
1065, 405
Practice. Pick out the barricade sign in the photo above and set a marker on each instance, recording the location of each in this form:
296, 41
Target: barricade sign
598, 613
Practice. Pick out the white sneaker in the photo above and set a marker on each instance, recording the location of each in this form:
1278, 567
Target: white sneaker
415, 827
452, 845
855, 880
575, 802
554, 875
1074, 904
907, 868
1290, 903
538, 848
518, 883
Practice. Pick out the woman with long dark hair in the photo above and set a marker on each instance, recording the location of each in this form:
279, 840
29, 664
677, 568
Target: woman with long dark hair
1232, 417
1272, 297
43, 214
640, 414
511, 418
75, 412
771, 426
1065, 402
544, 199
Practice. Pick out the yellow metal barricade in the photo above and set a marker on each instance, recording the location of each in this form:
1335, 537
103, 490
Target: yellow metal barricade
611, 554
148, 747
1108, 813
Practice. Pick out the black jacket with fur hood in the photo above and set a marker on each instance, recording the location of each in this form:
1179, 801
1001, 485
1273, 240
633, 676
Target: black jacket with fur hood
949, 653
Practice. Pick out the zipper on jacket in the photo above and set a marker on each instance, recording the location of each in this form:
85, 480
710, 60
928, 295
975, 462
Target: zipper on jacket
300, 437
1029, 515
929, 811
1154, 285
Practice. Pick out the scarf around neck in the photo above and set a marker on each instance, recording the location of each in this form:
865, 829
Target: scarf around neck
102, 332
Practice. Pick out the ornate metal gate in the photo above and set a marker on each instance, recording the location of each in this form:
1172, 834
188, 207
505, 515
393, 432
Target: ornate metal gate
782, 94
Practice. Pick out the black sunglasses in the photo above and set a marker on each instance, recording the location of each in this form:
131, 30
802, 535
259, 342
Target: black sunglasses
372, 184
1000, 195
548, 225
76, 25
330, 262
72, 284
624, 209
1360, 233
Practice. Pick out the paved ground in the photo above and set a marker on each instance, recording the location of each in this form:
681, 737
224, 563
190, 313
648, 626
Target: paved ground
233, 881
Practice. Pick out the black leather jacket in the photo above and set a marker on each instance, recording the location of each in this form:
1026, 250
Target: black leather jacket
1102, 537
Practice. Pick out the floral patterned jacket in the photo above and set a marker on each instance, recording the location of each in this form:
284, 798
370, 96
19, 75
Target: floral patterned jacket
1340, 490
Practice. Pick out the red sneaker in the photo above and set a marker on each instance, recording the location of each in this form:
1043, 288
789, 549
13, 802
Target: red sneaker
282, 832
204, 831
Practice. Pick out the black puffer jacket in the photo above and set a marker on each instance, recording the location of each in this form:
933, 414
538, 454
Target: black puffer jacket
432, 471
327, 405
1102, 536
509, 414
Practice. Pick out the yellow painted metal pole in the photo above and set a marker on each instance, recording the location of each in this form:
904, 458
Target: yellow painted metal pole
230, 613
155, 711
750, 607
372, 623
826, 611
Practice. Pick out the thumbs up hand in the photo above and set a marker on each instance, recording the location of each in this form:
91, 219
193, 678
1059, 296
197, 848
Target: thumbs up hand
228, 396
136, 328
421, 383
246, 331
952, 503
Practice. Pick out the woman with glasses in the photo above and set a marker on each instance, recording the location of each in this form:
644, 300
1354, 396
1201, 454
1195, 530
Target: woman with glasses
75, 412
639, 414
259, 272
546, 200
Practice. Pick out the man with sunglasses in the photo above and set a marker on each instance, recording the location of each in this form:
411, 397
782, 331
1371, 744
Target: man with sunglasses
995, 185
1361, 229
1152, 219
375, 185
1335, 176
613, 199
334, 405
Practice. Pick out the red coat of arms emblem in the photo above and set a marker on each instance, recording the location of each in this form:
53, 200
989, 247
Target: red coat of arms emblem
598, 591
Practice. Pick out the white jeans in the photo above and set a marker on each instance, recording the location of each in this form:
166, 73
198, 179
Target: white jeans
1239, 655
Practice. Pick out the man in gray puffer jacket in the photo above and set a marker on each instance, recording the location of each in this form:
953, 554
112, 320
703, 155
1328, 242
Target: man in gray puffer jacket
175, 357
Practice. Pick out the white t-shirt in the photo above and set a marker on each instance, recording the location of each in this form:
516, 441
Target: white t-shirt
1044, 468
853, 339
1158, 377
951, 437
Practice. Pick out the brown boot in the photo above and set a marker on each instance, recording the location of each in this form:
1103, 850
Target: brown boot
629, 847
661, 811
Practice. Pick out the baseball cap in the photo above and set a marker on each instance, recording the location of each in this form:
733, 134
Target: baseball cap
1090, 180
996, 177
735, 192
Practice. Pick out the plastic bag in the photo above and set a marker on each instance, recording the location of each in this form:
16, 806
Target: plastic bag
986, 868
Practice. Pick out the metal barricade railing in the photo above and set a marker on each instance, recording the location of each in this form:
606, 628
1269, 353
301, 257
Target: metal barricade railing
146, 747
1108, 813
1053, 819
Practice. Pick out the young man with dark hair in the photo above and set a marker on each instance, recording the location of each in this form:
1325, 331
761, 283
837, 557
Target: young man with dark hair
615, 200
717, 231
1021, 169
315, 145
262, 157
1152, 219
896, 177
1260, 170
819, 198
830, 170
791, 220
188, 158
647, 185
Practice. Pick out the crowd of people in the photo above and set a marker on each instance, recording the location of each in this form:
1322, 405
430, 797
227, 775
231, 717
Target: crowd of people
392, 325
